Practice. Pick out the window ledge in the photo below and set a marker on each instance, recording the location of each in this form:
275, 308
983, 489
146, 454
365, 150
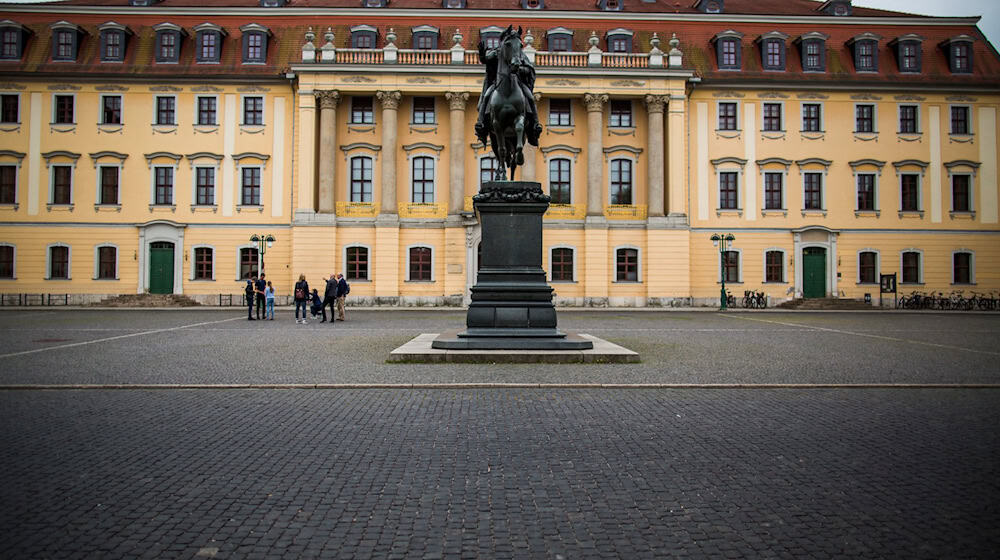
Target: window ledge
62, 127
814, 212
204, 208
773, 134
250, 208
909, 136
201, 280
49, 279
8, 206
728, 133
359, 281
207, 62
51, 207
559, 129
206, 128
774, 212
729, 212
911, 214
10, 127
8, 278
813, 134
775, 282
252, 128
867, 213
162, 207
962, 215
105, 279
964, 138
107, 208
963, 283
626, 282
418, 281
563, 281
866, 136
109, 128
911, 283
867, 284
164, 128
355, 127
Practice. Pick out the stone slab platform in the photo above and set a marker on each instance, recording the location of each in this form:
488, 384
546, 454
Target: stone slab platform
419, 350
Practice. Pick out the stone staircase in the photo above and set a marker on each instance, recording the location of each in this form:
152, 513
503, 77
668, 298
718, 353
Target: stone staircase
817, 304
147, 300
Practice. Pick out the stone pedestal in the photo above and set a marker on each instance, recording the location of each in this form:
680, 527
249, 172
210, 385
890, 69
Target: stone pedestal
511, 304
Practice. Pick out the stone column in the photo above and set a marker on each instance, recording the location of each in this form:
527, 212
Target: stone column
327, 101
595, 151
654, 176
390, 104
456, 151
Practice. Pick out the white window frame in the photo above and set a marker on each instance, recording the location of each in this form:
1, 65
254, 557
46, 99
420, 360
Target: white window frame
614, 264
920, 190
152, 184
875, 128
951, 132
822, 190
239, 176
572, 162
782, 125
350, 178
194, 184
194, 263
632, 115
739, 265
101, 109
875, 189
239, 249
69, 261
549, 255
972, 267
739, 114
409, 165
739, 188
197, 101
632, 179
100, 187
919, 117
857, 266
763, 189
972, 191
263, 110
479, 165
97, 261
433, 263
52, 182
822, 117
17, 180
156, 103
54, 107
13, 264
343, 260
413, 111
572, 120
920, 266
20, 106
784, 265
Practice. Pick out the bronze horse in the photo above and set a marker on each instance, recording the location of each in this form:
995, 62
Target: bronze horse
507, 107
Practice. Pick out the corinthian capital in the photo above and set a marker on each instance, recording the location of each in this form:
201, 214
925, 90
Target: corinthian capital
456, 100
656, 103
595, 101
389, 99
328, 99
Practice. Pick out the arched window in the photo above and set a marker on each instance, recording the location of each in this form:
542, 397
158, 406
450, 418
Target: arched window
561, 264
627, 265
911, 267
867, 267
59, 262
7, 261
106, 262
248, 262
420, 264
356, 259
774, 266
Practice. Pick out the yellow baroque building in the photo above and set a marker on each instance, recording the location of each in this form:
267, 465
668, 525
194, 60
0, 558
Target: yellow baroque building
143, 144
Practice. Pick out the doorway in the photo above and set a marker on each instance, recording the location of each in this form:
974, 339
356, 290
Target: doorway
161, 267
813, 272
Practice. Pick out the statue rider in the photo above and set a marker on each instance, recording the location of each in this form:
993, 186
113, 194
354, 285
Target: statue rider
526, 79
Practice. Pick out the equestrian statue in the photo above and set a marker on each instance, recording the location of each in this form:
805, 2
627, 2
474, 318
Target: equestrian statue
507, 112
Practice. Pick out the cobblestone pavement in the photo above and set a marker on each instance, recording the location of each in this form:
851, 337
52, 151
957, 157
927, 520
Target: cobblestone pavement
46, 346
487, 473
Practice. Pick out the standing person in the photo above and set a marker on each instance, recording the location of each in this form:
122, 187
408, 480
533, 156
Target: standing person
301, 297
260, 287
250, 290
342, 290
330, 297
269, 296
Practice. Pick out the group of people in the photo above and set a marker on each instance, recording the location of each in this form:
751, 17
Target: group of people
260, 293
334, 294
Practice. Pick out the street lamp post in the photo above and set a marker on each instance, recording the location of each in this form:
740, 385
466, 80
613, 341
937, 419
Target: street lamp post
722, 241
264, 243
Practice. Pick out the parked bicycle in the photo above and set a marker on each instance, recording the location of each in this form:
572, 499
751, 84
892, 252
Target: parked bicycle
956, 301
754, 300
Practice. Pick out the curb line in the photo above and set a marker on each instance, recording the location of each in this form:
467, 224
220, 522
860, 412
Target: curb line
333, 386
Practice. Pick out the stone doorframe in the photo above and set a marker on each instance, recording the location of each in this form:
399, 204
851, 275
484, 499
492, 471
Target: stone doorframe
816, 236
155, 231
473, 235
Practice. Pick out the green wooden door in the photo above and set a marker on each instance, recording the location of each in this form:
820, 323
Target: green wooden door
814, 272
161, 268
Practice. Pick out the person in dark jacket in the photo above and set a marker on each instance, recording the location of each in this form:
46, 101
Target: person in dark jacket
261, 287
250, 290
330, 298
301, 298
317, 303
342, 290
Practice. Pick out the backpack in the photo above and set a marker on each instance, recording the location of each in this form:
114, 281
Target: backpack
300, 292
348, 290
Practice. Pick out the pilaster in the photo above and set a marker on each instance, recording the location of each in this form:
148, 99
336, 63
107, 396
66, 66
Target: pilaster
655, 105
306, 120
595, 155
390, 105
677, 156
456, 154
327, 101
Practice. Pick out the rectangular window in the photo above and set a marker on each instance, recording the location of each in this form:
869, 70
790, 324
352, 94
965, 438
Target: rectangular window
59, 263
9, 108
562, 264
559, 43
11, 44
420, 264
164, 192
908, 119
621, 181
362, 110
908, 61
253, 110
113, 45
109, 185
6, 261
168, 46
559, 181
64, 109
111, 109
866, 191
559, 112
621, 113
487, 169
64, 46
423, 110
8, 184
866, 267
206, 111
864, 118
205, 186
962, 268
62, 184
618, 44
727, 116
209, 46
961, 58
909, 192
165, 110
255, 47
251, 186
811, 118
728, 196
773, 266
911, 267
203, 263
813, 56
423, 180
248, 262
813, 192
960, 120
727, 54
627, 265
865, 56
773, 189
357, 263
731, 266
361, 179
425, 41
773, 59
772, 117
960, 191
107, 263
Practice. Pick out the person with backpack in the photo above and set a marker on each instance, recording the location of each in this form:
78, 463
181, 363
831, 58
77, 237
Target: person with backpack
301, 297
330, 297
343, 288
250, 290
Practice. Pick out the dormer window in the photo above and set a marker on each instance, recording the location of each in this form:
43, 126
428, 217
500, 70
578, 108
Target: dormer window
425, 37
114, 39
374, 3
272, 3
865, 47
812, 50
959, 50
772, 50
909, 53
533, 4
363, 37
728, 45
610, 5
168, 42
208, 42
619, 40
711, 6
453, 4
254, 43
490, 36
142, 3
559, 39
836, 7
12, 37
65, 41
